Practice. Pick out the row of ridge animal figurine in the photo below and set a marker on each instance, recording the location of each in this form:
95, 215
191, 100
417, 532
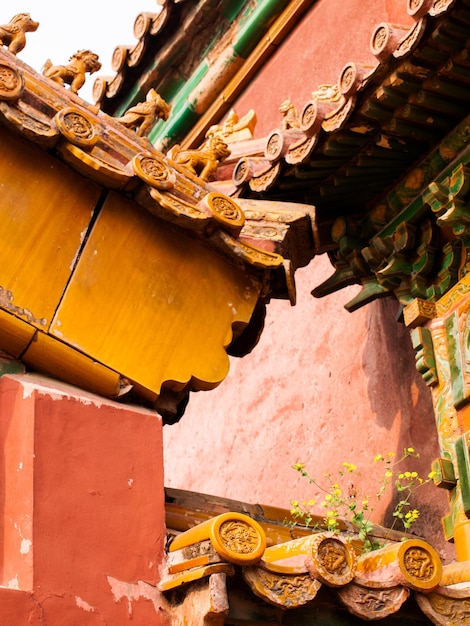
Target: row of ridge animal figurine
201, 162
13, 36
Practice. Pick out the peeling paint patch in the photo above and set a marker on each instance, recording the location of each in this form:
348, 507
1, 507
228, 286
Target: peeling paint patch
20, 466
6, 301
13, 583
134, 592
77, 254
130, 482
84, 605
25, 546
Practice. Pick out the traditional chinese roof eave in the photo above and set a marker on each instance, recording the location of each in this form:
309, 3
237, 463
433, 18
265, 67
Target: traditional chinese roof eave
358, 144
268, 568
208, 91
103, 150
130, 178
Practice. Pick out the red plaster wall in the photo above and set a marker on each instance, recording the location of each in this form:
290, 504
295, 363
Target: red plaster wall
323, 386
333, 33
81, 498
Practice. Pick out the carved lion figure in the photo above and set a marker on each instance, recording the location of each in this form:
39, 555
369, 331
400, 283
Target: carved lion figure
73, 74
290, 117
142, 116
13, 34
202, 162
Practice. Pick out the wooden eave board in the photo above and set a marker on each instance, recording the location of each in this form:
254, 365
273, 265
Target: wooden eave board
159, 304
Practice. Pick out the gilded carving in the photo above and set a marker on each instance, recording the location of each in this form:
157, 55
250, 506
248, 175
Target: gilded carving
290, 117
136, 53
201, 162
419, 563
242, 172
77, 127
119, 57
250, 254
348, 80
238, 536
11, 83
444, 610
274, 146
409, 42
142, 116
265, 232
329, 94
425, 360
173, 208
337, 118
379, 39
234, 128
419, 312
81, 63
288, 591
13, 34
412, 563
301, 150
460, 291
373, 603
332, 560
226, 211
446, 415
154, 171
142, 24
418, 8
266, 179
310, 120
440, 6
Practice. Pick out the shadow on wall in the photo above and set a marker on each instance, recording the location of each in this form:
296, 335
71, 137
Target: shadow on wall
395, 387
397, 391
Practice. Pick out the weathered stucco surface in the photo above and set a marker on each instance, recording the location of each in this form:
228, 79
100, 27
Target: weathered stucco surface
323, 386
81, 499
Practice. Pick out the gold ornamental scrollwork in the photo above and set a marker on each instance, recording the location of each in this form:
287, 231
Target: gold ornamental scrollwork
419, 563
332, 560
373, 603
235, 537
418, 8
238, 536
154, 171
451, 607
412, 563
225, 211
238, 539
11, 83
77, 127
286, 590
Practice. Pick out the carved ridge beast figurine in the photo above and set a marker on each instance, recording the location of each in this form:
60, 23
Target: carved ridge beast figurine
13, 34
81, 63
290, 117
142, 116
202, 162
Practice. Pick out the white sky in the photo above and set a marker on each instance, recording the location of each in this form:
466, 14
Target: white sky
65, 27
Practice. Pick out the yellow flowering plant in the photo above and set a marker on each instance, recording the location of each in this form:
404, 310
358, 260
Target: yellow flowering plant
343, 501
